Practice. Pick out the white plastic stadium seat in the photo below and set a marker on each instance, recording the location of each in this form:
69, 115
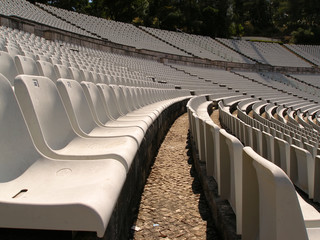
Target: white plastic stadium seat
26, 65
302, 169
46, 69
62, 71
8, 67
81, 117
102, 107
52, 132
231, 173
37, 192
272, 208
124, 109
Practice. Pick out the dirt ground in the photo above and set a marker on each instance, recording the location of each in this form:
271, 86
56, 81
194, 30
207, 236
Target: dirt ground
173, 205
215, 117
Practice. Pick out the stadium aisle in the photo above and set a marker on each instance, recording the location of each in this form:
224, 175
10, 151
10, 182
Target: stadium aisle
173, 205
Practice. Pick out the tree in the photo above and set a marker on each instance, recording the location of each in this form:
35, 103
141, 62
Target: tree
254, 15
97, 8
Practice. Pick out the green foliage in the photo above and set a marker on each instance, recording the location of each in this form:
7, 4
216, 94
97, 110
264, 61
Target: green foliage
210, 15
306, 36
236, 29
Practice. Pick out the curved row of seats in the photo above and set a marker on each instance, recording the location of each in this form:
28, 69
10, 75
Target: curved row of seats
11, 67
186, 44
119, 32
244, 174
269, 138
264, 85
212, 143
66, 149
119, 69
309, 52
266, 53
71, 135
127, 70
296, 146
292, 85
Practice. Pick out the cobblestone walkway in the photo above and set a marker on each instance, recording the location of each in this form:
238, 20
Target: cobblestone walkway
173, 205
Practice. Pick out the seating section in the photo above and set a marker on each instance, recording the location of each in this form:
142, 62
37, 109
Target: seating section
177, 43
86, 120
278, 144
266, 53
72, 131
215, 47
294, 87
309, 52
28, 11
266, 86
308, 81
269, 197
38, 191
118, 32
199, 46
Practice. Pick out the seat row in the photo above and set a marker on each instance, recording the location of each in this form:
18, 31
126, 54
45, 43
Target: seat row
149, 38
287, 83
66, 149
119, 32
267, 53
272, 144
29, 11
240, 175
309, 52
291, 129
11, 67
117, 67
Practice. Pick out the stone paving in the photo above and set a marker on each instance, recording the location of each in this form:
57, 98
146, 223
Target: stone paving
215, 117
173, 205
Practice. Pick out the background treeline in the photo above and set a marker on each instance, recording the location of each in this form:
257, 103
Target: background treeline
297, 21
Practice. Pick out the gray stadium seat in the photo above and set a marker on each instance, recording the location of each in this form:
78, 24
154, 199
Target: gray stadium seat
46, 69
282, 154
8, 67
273, 208
81, 117
101, 99
231, 174
52, 132
26, 65
38, 192
63, 71
302, 169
